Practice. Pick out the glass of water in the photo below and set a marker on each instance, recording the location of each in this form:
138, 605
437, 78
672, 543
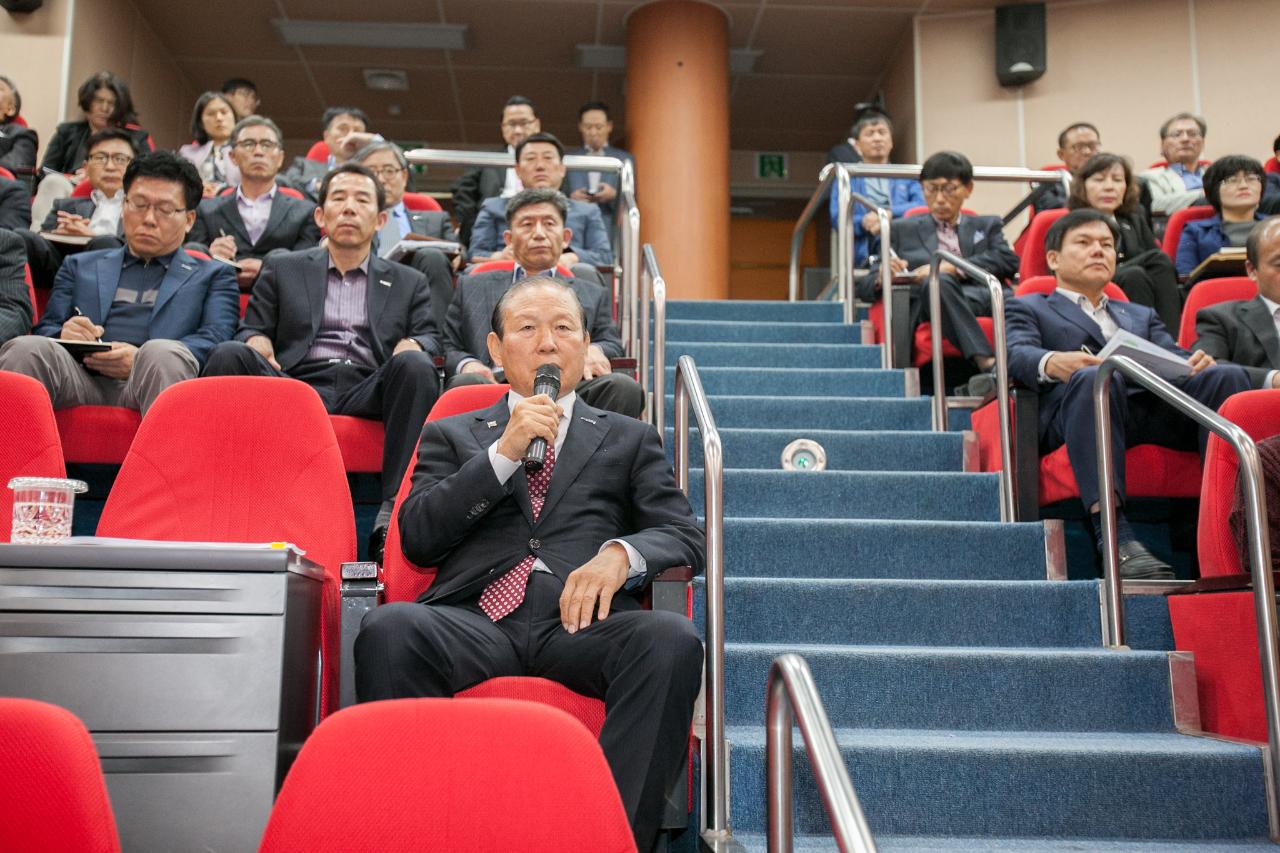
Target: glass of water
42, 508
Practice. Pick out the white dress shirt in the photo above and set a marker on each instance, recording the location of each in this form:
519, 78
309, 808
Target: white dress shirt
504, 469
1097, 313
106, 212
510, 183
255, 212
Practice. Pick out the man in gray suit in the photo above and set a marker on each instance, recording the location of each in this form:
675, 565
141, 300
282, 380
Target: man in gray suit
1247, 333
257, 218
387, 161
16, 310
598, 188
536, 239
357, 329
540, 164
947, 181
96, 218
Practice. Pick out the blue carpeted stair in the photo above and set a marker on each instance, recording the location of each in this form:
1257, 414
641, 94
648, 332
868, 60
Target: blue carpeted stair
972, 698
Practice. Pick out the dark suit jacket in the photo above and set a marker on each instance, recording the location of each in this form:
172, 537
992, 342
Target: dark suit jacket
579, 180
1136, 235
843, 153
589, 241
18, 149
915, 239
431, 223
66, 151
611, 481
1242, 333
15, 205
305, 175
1041, 323
197, 304
291, 225
470, 191
287, 305
470, 317
80, 207
16, 310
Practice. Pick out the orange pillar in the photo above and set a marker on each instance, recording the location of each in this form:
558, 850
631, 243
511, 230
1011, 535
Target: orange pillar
678, 130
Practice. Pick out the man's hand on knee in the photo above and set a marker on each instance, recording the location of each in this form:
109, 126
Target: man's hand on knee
1199, 360
114, 364
595, 581
1062, 365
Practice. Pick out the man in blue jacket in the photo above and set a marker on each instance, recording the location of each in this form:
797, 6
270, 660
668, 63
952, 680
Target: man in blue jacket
159, 310
873, 134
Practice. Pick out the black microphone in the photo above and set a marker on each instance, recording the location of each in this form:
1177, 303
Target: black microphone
545, 381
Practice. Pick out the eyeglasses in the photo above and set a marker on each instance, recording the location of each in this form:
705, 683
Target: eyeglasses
267, 145
388, 171
1084, 148
101, 159
516, 124
1189, 133
141, 206
946, 188
1242, 181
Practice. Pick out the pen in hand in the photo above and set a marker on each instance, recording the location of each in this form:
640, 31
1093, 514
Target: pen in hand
80, 313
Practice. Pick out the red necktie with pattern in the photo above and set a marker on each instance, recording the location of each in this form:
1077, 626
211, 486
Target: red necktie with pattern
505, 594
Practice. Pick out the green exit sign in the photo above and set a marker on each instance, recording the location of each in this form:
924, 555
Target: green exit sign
771, 165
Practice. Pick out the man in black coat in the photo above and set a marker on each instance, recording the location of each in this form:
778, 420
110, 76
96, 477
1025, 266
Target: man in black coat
947, 181
519, 120
525, 561
353, 326
536, 236
16, 310
1246, 332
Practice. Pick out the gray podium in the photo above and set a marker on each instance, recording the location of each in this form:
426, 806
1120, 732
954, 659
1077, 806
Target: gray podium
195, 668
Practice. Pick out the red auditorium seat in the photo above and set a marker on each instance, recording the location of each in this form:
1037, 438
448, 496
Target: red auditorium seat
1221, 627
241, 459
97, 434
421, 201
480, 774
1178, 221
1210, 292
84, 189
31, 447
360, 442
1033, 262
319, 152
5, 173
506, 264
52, 789
1151, 470
283, 190
1272, 165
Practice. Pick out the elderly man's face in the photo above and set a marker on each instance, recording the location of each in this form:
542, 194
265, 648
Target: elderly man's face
518, 124
1267, 272
1082, 143
1087, 259
1183, 143
537, 236
257, 153
350, 213
393, 177
946, 197
541, 325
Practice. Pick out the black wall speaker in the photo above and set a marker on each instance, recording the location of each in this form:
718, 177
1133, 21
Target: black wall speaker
1020, 54
21, 5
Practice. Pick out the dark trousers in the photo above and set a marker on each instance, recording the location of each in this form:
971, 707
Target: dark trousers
1150, 279
613, 392
1137, 417
45, 258
962, 303
645, 665
400, 393
434, 264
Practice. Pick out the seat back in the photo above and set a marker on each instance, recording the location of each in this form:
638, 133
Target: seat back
507, 265
280, 188
1258, 414
54, 795
1047, 284
403, 580
31, 447
421, 201
84, 189
319, 151
1210, 292
5, 173
1271, 166
464, 774
1177, 221
1033, 261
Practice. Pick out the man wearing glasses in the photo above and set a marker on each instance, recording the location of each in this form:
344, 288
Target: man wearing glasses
243, 226
1180, 183
519, 121
154, 311
1076, 144
96, 218
947, 181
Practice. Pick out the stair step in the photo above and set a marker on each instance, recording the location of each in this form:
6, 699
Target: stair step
1044, 614
754, 493
847, 450
813, 413
755, 310
762, 332
795, 382
1047, 783
872, 548
776, 355
756, 843
969, 689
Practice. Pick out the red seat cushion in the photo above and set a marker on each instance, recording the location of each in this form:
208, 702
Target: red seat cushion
502, 264
319, 151
31, 447
923, 342
1211, 291
421, 201
84, 189
1032, 262
360, 441
1178, 221
99, 434
1221, 629
590, 712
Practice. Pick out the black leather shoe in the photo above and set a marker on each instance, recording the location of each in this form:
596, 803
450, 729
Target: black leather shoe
377, 544
1137, 563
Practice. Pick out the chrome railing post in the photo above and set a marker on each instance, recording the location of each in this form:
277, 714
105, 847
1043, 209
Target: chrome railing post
792, 696
629, 238
886, 286
688, 391
1264, 592
655, 288
825, 177
844, 243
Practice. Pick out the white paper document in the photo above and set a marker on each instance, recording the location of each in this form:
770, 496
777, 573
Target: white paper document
1157, 359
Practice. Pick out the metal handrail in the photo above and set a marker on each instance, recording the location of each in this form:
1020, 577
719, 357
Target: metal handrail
826, 177
940, 418
1002, 174
628, 213
792, 693
655, 288
1264, 593
715, 764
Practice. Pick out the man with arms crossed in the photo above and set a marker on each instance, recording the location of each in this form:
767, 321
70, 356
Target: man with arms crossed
540, 573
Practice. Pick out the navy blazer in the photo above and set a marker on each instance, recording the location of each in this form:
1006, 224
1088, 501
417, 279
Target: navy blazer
198, 303
612, 481
1200, 239
915, 239
577, 179
589, 240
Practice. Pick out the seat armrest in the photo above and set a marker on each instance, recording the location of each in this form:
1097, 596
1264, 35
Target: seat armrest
361, 592
670, 590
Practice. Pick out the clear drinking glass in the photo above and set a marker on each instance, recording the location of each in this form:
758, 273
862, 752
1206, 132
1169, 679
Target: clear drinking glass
42, 508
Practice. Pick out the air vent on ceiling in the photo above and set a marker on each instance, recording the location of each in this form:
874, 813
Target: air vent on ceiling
372, 34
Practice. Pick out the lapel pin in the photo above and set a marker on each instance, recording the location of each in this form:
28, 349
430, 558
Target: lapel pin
492, 424
588, 420
384, 282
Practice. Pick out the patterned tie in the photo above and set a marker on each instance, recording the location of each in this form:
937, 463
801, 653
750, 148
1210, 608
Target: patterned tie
948, 238
505, 594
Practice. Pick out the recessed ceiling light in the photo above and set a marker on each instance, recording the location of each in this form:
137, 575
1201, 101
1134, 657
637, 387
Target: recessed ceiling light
372, 34
386, 79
